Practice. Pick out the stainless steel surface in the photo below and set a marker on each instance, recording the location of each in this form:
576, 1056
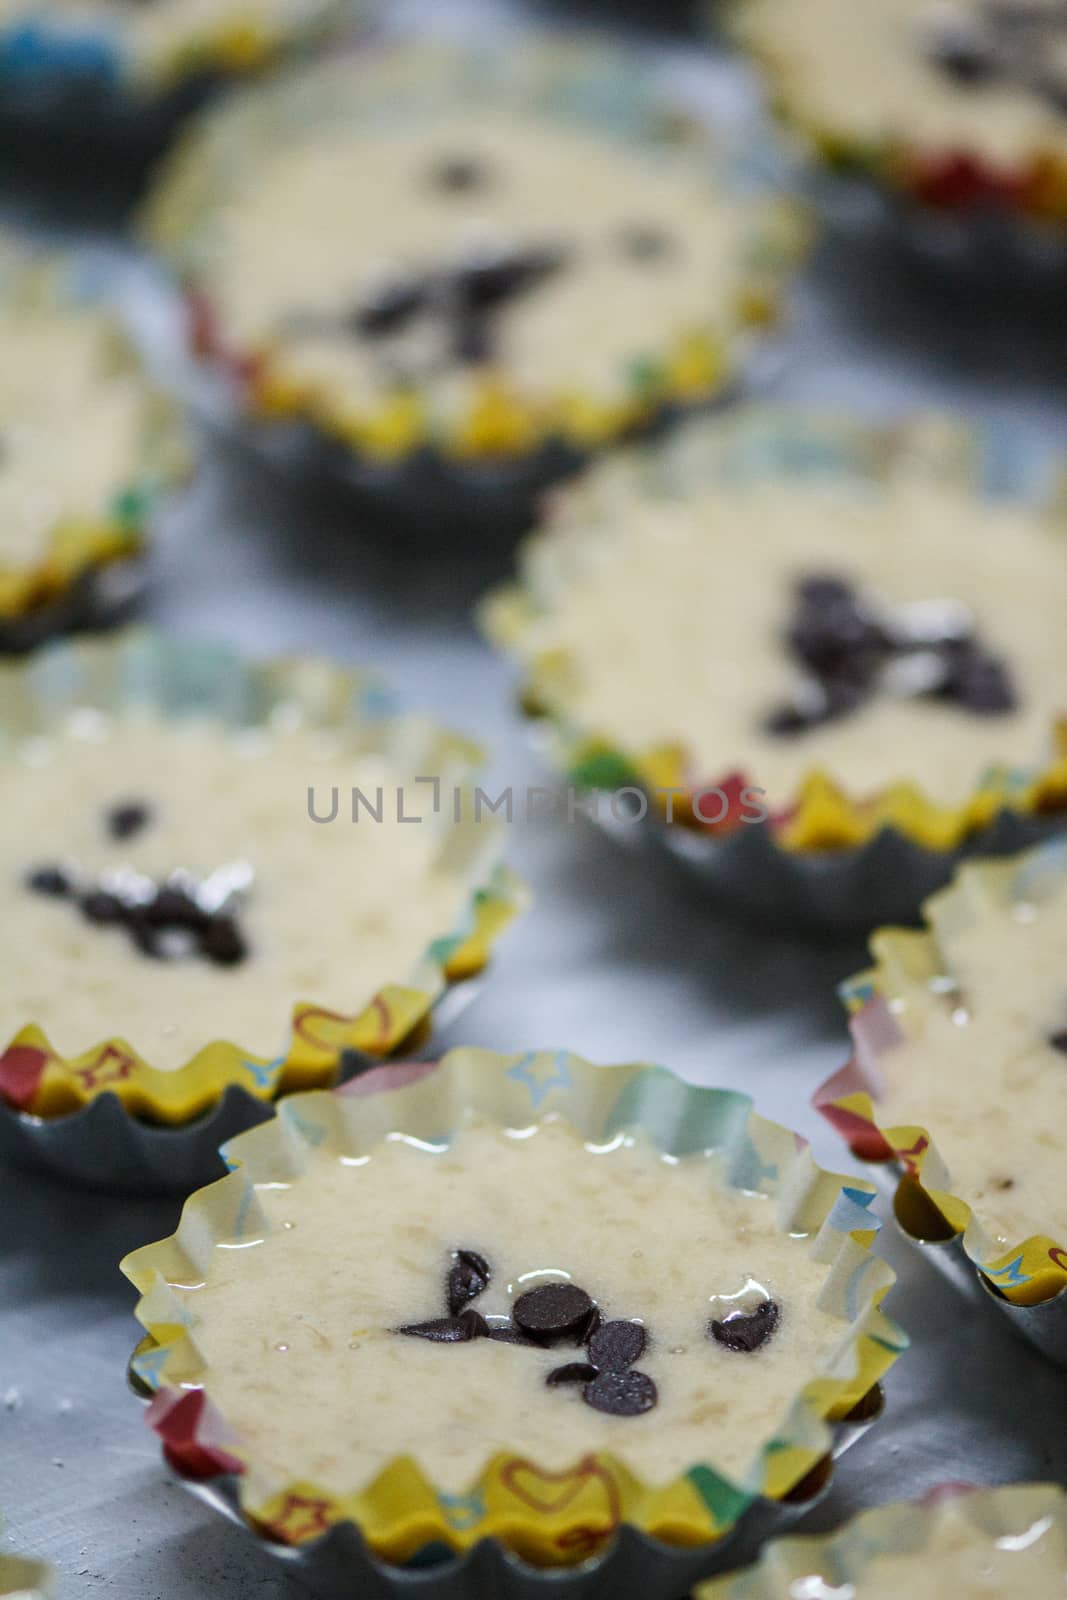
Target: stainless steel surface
617, 959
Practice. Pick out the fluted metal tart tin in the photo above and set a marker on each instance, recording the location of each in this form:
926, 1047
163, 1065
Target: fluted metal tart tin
1026, 1279
813, 881
107, 1117
713, 1520
1010, 1517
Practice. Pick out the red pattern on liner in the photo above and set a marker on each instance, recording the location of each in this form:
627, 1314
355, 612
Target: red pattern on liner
183, 1423
22, 1067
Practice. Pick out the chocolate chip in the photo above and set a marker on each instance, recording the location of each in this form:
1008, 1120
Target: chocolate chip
394, 305
965, 56
745, 1330
621, 1394
222, 942
157, 943
1058, 1041
123, 821
460, 174
484, 282
554, 1311
448, 1330
617, 1345
823, 589
172, 908
642, 241
467, 1278
831, 631
52, 881
507, 1333
573, 1372
981, 683
101, 907
473, 342
787, 721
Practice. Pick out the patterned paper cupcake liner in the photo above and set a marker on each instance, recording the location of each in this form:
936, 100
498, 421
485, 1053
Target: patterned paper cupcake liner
160, 1125
94, 567
400, 1534
1027, 1281
831, 861
489, 456
1010, 1517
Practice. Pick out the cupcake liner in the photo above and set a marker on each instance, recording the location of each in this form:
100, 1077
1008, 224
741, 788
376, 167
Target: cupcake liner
107, 1114
832, 862
664, 1536
1005, 1515
94, 569
491, 459
1027, 1281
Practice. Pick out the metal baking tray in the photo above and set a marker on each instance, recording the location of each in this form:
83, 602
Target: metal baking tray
616, 962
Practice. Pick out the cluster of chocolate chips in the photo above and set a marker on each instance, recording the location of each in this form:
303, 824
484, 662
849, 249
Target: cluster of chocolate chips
1058, 1041
165, 920
465, 299
1021, 42
554, 1314
851, 650
745, 1330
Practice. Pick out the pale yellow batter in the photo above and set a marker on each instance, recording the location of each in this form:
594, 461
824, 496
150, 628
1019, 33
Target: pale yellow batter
664, 621
333, 910
297, 1331
861, 69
